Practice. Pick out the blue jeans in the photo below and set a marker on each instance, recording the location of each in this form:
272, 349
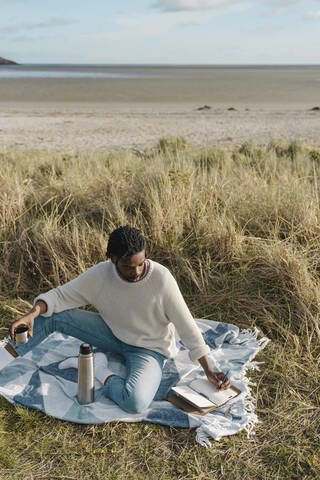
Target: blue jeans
144, 367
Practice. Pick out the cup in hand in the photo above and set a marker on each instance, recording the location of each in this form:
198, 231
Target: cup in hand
21, 334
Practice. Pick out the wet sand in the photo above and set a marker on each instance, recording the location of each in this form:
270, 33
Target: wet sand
111, 114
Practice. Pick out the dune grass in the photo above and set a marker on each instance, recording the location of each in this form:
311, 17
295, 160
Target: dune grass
239, 228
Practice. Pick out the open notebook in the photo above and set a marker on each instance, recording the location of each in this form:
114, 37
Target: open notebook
201, 396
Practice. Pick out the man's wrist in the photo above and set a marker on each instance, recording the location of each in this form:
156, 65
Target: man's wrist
204, 362
39, 308
35, 311
208, 371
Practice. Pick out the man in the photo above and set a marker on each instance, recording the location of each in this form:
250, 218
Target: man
139, 305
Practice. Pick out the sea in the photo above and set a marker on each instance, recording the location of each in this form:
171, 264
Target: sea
128, 71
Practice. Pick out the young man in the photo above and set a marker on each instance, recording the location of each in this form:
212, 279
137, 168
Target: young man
139, 305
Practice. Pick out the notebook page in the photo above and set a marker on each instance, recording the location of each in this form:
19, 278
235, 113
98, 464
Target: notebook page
192, 397
218, 397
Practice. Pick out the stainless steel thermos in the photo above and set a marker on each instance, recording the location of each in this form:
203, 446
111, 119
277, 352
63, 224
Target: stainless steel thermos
85, 374
21, 334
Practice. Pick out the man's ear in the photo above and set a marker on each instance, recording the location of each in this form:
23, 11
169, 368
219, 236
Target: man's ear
114, 259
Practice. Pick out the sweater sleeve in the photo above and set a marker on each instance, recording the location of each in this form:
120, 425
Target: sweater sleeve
78, 292
179, 314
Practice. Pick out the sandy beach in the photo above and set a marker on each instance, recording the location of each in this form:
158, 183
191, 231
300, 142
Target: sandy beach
85, 114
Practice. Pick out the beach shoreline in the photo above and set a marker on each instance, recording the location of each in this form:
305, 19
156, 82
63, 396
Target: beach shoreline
88, 114
118, 126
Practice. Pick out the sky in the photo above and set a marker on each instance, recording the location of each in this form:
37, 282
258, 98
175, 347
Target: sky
161, 31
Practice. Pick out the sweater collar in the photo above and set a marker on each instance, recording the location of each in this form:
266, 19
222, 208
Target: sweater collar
131, 284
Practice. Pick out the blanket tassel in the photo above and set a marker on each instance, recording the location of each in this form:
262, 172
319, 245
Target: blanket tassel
202, 438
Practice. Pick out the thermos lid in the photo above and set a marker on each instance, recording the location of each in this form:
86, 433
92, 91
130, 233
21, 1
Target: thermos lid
21, 329
85, 348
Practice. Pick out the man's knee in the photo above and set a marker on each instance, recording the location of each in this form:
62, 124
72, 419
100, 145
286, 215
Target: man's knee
136, 403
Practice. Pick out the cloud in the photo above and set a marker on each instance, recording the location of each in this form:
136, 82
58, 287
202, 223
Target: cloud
197, 5
153, 24
27, 38
25, 27
156, 24
280, 7
285, 3
179, 5
189, 23
313, 15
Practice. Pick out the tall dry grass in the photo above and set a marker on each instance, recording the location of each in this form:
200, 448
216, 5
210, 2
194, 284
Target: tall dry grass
239, 229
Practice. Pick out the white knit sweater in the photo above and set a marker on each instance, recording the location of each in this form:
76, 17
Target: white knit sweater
142, 313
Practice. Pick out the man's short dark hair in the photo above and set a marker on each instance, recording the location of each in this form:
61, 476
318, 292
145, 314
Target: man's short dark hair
125, 241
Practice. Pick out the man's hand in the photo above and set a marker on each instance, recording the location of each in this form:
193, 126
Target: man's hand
28, 319
216, 378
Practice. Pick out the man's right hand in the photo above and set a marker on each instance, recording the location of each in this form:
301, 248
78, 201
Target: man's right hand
28, 319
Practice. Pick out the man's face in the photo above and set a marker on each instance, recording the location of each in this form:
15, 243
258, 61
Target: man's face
130, 268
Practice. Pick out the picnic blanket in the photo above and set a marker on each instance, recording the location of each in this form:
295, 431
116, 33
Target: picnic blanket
39, 381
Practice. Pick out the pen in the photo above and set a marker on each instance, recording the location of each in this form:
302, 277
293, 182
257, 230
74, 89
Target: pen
225, 377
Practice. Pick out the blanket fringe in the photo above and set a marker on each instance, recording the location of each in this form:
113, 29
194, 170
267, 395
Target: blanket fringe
4, 342
202, 438
252, 420
263, 342
249, 400
250, 332
202, 433
253, 333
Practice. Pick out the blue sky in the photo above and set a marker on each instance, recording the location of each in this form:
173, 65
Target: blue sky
161, 31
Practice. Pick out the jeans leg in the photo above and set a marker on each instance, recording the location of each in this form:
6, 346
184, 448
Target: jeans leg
86, 326
144, 371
